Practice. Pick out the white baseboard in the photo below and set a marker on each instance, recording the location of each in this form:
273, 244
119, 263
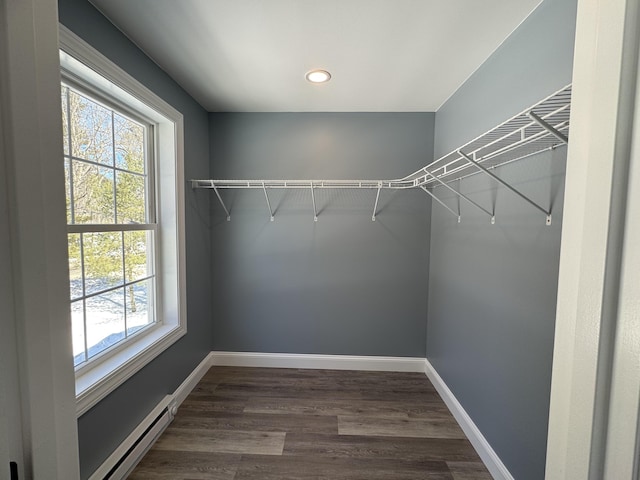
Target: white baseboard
490, 458
192, 380
322, 362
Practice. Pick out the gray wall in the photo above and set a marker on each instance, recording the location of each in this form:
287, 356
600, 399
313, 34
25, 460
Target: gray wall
108, 423
534, 62
492, 309
492, 289
343, 285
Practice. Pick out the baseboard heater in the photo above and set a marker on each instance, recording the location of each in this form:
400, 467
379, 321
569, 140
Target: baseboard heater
131, 451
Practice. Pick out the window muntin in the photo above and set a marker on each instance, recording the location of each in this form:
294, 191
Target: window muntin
111, 222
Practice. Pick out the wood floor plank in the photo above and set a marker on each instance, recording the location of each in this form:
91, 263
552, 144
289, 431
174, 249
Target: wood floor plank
434, 408
202, 404
404, 448
221, 441
410, 427
174, 465
329, 407
257, 422
255, 467
323, 392
252, 390
469, 471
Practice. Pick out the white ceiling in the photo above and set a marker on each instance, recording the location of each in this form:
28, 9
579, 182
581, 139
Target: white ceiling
384, 55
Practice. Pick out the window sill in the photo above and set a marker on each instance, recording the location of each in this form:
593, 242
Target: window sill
93, 384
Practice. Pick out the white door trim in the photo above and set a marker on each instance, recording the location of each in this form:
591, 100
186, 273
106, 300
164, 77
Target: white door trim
11, 441
622, 430
35, 180
604, 87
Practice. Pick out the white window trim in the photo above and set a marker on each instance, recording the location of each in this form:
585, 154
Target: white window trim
95, 382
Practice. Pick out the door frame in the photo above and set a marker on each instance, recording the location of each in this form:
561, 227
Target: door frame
11, 441
592, 412
30, 103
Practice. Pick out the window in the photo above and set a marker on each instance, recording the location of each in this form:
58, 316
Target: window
111, 223
124, 187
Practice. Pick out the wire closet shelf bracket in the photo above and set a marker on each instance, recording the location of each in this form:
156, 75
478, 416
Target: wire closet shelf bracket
544, 126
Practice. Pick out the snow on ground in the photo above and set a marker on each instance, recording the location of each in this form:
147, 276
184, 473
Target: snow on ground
106, 316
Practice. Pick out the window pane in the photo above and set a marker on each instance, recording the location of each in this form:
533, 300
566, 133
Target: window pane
105, 321
129, 143
75, 265
77, 330
67, 188
131, 198
102, 260
65, 121
92, 193
138, 255
139, 305
91, 130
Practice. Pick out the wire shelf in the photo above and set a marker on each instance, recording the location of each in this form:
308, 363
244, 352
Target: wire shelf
519, 137
543, 126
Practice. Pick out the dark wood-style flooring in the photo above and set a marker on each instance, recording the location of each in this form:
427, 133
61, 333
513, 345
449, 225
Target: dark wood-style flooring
286, 424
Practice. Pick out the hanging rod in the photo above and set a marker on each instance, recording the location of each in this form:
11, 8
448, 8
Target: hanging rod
304, 184
544, 126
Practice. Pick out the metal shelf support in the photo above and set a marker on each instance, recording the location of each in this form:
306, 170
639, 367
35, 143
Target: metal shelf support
502, 182
549, 128
463, 196
375, 206
432, 195
313, 199
268, 202
221, 202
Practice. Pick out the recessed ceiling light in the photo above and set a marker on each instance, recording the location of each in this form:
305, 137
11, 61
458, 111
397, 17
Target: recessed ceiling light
318, 76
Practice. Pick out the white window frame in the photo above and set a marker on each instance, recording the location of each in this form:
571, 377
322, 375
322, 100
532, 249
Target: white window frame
100, 377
